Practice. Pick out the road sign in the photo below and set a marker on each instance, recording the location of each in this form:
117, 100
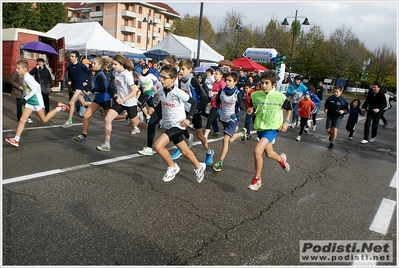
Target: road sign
364, 76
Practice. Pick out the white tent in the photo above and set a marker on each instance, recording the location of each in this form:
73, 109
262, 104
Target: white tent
91, 38
186, 48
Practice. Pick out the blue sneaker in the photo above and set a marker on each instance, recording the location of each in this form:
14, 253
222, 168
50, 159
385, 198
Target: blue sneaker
209, 158
176, 154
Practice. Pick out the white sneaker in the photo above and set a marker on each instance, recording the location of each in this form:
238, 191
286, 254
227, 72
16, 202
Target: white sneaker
29, 121
372, 140
67, 124
140, 116
364, 141
146, 151
298, 138
171, 173
190, 140
314, 128
200, 172
135, 130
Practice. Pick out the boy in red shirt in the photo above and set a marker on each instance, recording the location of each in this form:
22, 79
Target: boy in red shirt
306, 107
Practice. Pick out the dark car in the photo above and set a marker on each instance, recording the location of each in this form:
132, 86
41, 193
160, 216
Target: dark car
392, 97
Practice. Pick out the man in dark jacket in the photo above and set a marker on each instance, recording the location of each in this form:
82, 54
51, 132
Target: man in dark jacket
42, 74
374, 104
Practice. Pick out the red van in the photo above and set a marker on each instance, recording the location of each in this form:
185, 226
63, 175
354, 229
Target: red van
15, 38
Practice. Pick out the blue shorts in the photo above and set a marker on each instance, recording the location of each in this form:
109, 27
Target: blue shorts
333, 122
269, 134
230, 127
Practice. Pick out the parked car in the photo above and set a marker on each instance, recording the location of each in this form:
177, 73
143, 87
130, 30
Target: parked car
392, 96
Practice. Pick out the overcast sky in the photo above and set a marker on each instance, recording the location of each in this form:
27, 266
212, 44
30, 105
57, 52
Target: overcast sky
374, 23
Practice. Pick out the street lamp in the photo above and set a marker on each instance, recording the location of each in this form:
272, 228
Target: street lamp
148, 23
285, 22
240, 30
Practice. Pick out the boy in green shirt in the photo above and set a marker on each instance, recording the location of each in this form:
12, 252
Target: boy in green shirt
267, 104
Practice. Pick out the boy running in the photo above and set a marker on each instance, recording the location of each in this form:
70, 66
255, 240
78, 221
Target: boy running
33, 101
175, 120
229, 98
267, 104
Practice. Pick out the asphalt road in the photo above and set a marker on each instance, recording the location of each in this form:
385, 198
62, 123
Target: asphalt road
65, 203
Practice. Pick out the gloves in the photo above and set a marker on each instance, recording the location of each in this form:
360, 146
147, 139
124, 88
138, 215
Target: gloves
233, 116
22, 101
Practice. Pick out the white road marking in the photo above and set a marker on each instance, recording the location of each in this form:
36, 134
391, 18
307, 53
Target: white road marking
32, 176
394, 182
383, 217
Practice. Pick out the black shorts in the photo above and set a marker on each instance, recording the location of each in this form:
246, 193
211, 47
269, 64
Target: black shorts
105, 105
131, 111
197, 121
175, 134
146, 99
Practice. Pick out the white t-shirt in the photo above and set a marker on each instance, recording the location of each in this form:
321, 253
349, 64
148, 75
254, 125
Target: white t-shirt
123, 81
32, 92
173, 107
147, 84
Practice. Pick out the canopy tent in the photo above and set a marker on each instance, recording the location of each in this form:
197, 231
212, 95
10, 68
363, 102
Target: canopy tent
91, 38
248, 65
186, 48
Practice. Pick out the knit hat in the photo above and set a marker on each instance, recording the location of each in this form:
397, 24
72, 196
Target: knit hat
308, 92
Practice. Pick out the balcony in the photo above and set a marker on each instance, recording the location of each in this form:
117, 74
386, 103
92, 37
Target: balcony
128, 29
96, 14
157, 20
129, 14
130, 44
155, 35
168, 26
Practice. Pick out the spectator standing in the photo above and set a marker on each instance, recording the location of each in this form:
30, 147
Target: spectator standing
242, 80
42, 74
374, 105
154, 70
209, 78
335, 108
17, 82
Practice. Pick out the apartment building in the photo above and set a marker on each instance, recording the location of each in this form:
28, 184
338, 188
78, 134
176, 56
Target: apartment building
140, 25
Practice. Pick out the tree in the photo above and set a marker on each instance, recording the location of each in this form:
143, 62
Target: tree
384, 65
38, 16
189, 26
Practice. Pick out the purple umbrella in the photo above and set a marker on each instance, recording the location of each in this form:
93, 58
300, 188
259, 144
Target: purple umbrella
39, 47
201, 69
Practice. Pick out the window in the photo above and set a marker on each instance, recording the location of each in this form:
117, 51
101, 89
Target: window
139, 24
77, 14
98, 8
125, 37
139, 39
140, 10
126, 22
126, 7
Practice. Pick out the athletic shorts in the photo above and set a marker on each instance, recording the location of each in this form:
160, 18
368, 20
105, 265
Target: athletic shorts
333, 122
230, 127
269, 134
35, 108
131, 111
197, 121
175, 134
105, 105
146, 99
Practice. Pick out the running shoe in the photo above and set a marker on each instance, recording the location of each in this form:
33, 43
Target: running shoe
80, 139
372, 140
146, 151
29, 121
200, 172
12, 141
128, 120
314, 128
331, 146
255, 184
298, 138
217, 166
67, 124
171, 173
135, 130
283, 162
140, 116
243, 134
104, 147
364, 141
63, 106
176, 154
147, 119
209, 158
306, 130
